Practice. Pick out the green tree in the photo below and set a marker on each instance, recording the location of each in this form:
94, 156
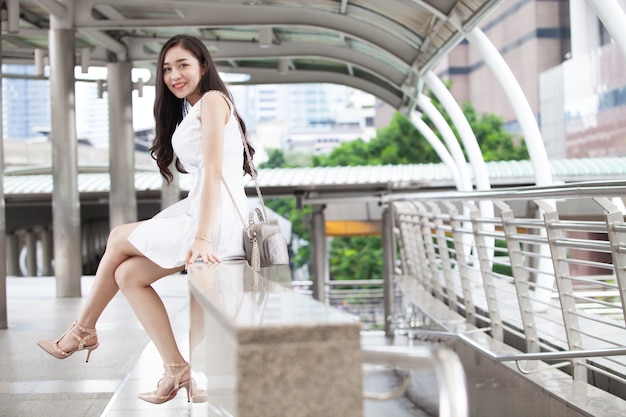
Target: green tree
356, 257
397, 143
401, 143
495, 142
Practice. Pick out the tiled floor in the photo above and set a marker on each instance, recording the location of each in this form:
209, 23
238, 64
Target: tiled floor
34, 384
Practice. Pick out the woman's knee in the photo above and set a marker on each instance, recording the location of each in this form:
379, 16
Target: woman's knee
118, 234
123, 276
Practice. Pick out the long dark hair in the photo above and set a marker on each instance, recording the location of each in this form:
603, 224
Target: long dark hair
168, 109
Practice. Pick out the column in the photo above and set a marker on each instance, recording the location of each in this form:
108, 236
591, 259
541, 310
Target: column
31, 253
389, 261
3, 227
65, 197
13, 255
46, 252
122, 196
319, 258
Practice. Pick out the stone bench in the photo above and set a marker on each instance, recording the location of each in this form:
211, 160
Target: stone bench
259, 349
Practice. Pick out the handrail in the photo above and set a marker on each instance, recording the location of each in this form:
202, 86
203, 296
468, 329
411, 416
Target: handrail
580, 189
547, 269
453, 401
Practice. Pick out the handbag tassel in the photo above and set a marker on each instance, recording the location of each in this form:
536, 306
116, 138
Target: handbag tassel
256, 255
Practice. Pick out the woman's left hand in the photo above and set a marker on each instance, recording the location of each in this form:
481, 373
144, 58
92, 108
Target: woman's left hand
201, 249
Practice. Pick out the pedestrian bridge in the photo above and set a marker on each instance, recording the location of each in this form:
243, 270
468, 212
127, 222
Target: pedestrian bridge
524, 283
530, 300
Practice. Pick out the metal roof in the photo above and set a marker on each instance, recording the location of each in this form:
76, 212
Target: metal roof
338, 181
378, 46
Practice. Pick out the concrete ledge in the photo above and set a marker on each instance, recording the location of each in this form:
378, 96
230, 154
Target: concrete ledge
260, 349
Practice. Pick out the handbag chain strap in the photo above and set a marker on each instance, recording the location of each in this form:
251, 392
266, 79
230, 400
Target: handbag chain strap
250, 164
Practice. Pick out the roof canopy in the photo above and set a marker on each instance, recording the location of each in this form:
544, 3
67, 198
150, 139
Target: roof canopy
377, 46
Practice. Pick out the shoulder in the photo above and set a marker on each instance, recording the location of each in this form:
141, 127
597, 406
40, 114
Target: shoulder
216, 97
214, 103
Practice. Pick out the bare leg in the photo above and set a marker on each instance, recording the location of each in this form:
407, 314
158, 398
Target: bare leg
134, 278
104, 288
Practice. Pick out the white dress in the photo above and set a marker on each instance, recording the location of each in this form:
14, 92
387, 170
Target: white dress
166, 238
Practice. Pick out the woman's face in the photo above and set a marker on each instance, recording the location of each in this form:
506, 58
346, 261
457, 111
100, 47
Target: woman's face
182, 73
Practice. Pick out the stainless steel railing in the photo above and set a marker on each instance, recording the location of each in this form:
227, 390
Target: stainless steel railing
445, 364
548, 269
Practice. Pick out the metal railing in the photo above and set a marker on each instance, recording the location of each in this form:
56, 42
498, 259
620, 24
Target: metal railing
546, 273
445, 364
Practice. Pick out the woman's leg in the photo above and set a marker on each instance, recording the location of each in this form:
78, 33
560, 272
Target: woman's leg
104, 288
134, 277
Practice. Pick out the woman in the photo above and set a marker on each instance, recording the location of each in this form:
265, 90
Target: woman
197, 127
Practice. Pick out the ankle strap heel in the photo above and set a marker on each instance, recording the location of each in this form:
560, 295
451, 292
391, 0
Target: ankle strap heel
82, 336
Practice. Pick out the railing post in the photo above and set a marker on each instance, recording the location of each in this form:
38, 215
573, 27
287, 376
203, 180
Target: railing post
484, 259
520, 277
434, 283
408, 225
564, 286
444, 256
461, 262
617, 237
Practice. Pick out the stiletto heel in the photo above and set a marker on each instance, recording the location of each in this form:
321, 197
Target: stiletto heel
154, 398
52, 346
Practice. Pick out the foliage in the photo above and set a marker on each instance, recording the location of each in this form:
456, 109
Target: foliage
495, 143
278, 159
356, 258
401, 143
398, 143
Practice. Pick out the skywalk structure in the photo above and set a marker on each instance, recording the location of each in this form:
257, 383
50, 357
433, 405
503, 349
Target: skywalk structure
533, 276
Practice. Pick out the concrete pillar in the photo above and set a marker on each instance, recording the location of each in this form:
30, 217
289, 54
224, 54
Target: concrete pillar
65, 197
122, 197
319, 256
13, 255
3, 227
46, 252
31, 253
389, 263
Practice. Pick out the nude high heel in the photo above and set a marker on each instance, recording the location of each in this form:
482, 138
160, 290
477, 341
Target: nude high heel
52, 346
154, 398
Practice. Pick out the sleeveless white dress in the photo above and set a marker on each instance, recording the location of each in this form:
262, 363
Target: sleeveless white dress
166, 238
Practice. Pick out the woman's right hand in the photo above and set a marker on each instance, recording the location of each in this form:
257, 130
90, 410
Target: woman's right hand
201, 248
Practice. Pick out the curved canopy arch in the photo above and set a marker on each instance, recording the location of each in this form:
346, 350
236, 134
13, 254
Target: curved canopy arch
379, 47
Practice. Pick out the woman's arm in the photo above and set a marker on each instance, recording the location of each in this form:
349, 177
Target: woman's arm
214, 116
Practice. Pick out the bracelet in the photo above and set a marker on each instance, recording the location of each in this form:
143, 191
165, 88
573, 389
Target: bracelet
205, 239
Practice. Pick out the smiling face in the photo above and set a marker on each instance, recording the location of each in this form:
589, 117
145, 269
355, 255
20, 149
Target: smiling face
182, 73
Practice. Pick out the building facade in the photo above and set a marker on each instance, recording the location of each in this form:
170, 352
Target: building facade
571, 72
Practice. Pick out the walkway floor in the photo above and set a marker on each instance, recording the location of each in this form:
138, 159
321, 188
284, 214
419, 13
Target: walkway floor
32, 384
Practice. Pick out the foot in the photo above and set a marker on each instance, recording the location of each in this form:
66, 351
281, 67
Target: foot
74, 339
175, 377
